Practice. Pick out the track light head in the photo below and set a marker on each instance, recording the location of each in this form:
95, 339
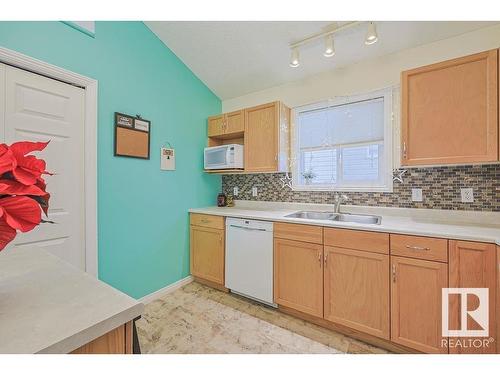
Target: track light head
329, 46
371, 34
294, 59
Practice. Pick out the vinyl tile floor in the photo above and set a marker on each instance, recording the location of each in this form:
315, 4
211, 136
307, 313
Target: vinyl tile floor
196, 319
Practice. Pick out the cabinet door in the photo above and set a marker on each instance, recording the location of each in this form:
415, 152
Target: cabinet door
472, 265
450, 111
298, 276
357, 290
261, 138
234, 122
416, 303
215, 126
207, 254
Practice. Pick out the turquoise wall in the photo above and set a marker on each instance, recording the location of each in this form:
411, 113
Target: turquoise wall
142, 211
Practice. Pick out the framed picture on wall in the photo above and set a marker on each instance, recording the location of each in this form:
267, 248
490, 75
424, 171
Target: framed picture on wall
132, 136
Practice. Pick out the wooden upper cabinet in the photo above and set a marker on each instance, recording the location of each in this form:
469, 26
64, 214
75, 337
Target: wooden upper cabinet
416, 303
356, 287
207, 253
473, 265
234, 122
227, 124
298, 276
266, 146
216, 126
450, 111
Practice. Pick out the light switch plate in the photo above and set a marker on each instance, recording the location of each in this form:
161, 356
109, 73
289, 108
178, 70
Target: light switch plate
467, 195
235, 191
254, 191
416, 195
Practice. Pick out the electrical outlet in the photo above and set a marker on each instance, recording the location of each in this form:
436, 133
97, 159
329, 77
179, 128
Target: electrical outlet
235, 191
416, 195
467, 195
254, 191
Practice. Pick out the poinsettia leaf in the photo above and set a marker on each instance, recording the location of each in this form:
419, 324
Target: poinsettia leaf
7, 160
23, 148
43, 201
29, 169
11, 187
21, 213
40, 182
32, 163
24, 176
7, 234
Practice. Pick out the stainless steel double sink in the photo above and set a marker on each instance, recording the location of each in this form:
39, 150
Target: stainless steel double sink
340, 217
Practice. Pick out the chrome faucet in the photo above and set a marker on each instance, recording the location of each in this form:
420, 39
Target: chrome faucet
338, 199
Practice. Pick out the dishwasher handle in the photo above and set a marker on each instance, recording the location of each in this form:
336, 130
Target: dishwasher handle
247, 228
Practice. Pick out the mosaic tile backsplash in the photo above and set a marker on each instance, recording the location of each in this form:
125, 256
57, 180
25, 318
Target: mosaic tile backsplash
440, 189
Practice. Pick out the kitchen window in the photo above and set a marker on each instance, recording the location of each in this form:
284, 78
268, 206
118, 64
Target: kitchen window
344, 144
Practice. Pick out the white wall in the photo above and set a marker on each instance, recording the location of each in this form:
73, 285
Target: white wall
370, 74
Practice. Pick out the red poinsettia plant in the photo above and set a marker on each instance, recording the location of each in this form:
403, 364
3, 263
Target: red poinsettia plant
23, 194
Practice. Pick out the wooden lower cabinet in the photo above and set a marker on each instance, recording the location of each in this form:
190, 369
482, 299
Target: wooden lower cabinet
473, 265
356, 290
382, 288
207, 253
416, 303
298, 276
117, 341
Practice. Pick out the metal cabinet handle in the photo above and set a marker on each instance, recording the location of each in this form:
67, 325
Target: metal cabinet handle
404, 151
325, 258
393, 273
319, 259
419, 248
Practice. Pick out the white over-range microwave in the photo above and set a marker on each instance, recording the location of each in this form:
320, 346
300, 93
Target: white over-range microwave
224, 157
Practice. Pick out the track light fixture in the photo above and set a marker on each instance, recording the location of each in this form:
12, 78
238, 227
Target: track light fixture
329, 51
371, 34
329, 46
294, 59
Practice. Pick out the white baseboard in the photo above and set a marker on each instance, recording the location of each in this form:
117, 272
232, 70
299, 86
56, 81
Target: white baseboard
166, 290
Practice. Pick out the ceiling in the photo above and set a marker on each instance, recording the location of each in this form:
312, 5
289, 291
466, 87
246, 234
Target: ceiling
236, 58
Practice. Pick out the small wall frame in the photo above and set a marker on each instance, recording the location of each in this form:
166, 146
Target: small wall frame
132, 136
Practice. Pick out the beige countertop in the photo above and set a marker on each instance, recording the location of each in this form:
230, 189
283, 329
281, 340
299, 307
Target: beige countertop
461, 225
48, 306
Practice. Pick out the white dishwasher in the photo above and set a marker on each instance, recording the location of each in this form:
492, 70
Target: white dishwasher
249, 259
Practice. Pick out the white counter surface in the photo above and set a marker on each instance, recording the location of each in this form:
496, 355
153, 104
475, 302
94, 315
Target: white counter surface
461, 225
48, 306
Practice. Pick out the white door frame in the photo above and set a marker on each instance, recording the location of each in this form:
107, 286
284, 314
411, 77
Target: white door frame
90, 142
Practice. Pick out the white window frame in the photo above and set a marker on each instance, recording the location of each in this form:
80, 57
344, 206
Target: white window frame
387, 185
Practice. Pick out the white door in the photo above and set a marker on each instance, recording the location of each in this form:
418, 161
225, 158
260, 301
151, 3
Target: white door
42, 109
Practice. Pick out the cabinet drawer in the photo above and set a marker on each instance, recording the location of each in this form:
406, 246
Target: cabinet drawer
357, 240
299, 232
209, 221
420, 247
